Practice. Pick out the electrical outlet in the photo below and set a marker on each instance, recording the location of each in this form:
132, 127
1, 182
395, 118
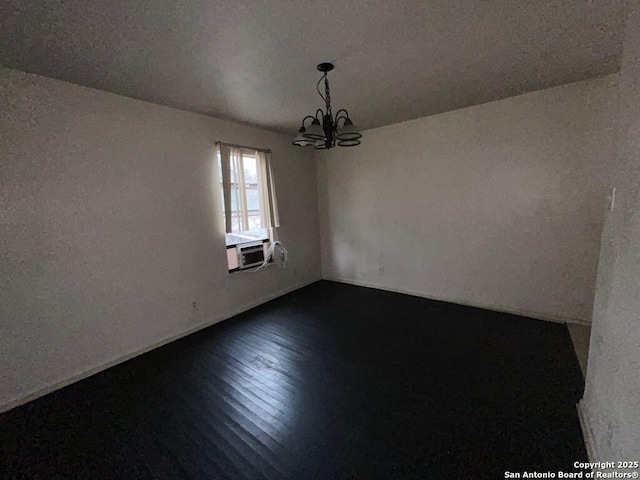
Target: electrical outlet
381, 270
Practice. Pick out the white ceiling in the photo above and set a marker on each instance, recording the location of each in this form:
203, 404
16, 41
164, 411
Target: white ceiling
255, 61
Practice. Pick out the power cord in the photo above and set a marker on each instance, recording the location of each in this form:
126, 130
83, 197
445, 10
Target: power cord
271, 254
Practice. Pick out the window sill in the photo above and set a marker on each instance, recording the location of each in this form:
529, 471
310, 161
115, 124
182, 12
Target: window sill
236, 272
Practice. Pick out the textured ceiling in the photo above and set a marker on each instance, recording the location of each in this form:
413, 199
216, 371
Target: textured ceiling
254, 61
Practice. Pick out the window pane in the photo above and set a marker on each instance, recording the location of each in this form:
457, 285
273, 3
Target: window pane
253, 198
255, 222
250, 169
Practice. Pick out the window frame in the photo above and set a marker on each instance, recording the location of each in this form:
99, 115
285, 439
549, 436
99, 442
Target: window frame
265, 189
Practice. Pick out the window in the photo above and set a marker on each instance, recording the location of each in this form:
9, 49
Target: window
248, 197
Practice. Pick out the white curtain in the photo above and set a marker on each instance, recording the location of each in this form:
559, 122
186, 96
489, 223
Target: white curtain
233, 189
269, 203
225, 164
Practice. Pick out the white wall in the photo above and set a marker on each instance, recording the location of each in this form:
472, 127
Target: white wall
498, 205
110, 228
611, 405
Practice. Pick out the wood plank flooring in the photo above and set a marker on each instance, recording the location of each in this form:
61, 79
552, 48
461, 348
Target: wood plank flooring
329, 382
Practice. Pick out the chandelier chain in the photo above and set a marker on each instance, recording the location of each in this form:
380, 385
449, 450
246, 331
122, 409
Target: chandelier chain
327, 96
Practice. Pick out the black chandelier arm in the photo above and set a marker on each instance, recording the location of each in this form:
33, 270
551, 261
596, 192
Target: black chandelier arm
308, 116
343, 117
321, 115
341, 111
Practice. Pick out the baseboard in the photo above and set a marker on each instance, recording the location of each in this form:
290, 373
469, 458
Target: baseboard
111, 363
586, 432
495, 308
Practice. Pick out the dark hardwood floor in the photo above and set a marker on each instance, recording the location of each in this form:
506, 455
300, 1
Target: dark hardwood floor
329, 382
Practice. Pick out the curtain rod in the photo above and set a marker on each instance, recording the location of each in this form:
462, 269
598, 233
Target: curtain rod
266, 150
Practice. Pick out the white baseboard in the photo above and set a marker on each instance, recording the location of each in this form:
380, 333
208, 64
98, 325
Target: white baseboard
495, 308
586, 432
92, 371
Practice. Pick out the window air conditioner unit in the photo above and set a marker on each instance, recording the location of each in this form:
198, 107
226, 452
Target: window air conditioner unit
250, 255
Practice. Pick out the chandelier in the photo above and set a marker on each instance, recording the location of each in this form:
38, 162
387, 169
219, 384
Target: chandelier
325, 130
